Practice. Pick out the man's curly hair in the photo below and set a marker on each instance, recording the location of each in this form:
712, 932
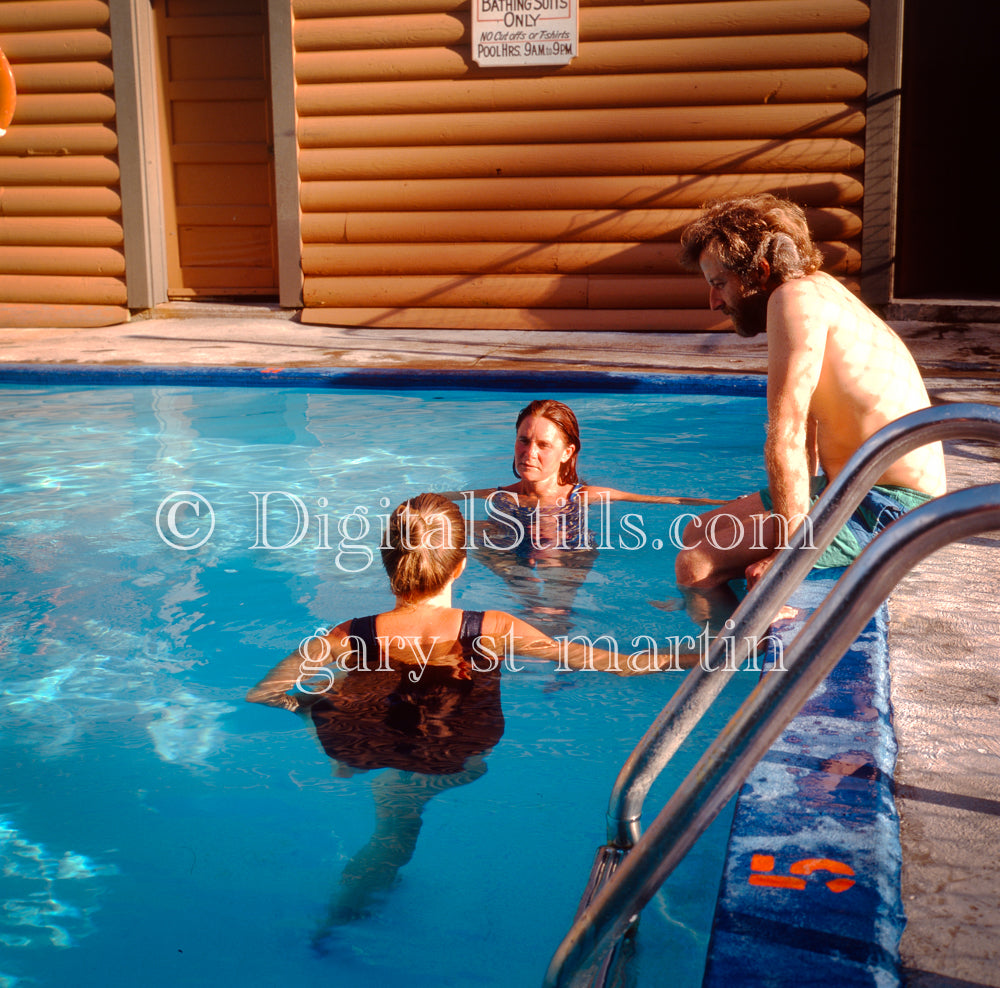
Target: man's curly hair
750, 229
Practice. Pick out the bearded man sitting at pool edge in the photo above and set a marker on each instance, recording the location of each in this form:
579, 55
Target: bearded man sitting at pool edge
836, 374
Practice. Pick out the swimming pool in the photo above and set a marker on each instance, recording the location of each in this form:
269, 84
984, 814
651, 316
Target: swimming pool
155, 827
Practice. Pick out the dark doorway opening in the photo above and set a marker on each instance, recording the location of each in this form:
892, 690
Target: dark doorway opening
947, 213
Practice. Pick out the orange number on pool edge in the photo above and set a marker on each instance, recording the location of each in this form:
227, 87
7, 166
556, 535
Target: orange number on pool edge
763, 864
8, 94
808, 865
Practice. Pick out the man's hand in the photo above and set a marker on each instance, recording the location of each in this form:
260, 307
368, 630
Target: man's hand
755, 573
756, 570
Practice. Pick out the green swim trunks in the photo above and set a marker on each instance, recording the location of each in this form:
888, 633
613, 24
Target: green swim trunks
881, 506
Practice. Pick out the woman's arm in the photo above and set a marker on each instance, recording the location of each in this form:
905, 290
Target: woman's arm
613, 495
522, 638
595, 492
307, 672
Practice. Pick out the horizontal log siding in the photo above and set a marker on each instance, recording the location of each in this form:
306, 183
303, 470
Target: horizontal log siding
653, 259
519, 127
572, 92
596, 58
736, 18
62, 260
438, 193
600, 191
554, 225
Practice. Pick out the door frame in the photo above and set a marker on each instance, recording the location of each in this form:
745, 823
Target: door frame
133, 43
882, 128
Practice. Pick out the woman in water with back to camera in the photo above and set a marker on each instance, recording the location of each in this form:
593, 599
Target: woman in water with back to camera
414, 690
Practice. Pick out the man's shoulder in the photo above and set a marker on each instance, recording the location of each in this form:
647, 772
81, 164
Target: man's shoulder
818, 286
824, 301
800, 308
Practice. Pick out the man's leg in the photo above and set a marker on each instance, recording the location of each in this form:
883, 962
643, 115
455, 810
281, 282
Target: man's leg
719, 545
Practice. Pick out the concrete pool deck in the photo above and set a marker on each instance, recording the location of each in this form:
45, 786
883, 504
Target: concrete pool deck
945, 624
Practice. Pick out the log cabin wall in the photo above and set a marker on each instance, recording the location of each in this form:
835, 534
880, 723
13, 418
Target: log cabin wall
436, 193
61, 242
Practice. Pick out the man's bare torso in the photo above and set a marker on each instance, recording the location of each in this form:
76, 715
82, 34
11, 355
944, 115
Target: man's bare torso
867, 379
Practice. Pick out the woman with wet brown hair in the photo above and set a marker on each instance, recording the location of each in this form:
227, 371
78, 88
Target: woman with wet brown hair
548, 498
534, 521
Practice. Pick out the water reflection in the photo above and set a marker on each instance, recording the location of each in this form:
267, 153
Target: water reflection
427, 737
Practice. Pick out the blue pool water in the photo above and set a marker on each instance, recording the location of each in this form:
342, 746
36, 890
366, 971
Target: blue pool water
157, 829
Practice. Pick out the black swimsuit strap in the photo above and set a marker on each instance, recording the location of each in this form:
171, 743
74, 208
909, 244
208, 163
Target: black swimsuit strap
472, 628
363, 628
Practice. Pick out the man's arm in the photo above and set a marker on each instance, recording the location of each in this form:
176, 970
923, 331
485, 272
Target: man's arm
796, 341
812, 446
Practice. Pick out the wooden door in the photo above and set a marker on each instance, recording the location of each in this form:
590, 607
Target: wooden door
218, 148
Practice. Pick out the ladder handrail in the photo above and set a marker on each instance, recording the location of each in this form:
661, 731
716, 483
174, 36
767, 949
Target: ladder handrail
752, 618
761, 718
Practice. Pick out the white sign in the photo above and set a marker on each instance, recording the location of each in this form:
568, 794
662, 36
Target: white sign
524, 32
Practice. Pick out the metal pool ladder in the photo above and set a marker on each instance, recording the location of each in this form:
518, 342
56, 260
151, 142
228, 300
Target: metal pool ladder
630, 868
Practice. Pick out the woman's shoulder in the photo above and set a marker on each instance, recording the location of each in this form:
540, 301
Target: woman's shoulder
496, 622
345, 626
500, 623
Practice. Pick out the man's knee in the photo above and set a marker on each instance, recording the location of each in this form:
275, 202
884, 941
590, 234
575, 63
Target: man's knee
694, 564
693, 567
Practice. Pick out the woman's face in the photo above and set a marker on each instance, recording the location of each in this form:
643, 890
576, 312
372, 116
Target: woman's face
540, 449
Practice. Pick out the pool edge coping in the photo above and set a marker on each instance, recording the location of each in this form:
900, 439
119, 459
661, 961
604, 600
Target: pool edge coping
857, 947
630, 382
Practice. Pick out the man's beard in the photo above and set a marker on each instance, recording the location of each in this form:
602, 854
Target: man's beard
749, 315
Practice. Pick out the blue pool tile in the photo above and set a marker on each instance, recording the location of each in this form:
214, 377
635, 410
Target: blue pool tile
810, 893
